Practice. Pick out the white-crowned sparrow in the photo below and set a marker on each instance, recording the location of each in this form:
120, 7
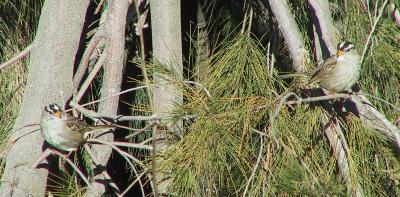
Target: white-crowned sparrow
337, 73
64, 131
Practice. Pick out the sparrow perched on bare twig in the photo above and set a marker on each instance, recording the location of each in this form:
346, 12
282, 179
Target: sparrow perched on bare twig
64, 131
337, 73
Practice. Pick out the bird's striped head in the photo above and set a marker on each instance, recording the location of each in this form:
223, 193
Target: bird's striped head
344, 47
54, 109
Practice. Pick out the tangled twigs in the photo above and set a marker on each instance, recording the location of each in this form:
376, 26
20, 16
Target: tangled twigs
103, 172
50, 151
134, 182
149, 126
21, 55
107, 177
86, 57
93, 114
126, 156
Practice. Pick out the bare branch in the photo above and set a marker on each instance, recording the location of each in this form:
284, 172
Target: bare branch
86, 57
371, 33
132, 145
104, 172
19, 56
324, 24
290, 31
340, 149
44, 155
319, 98
90, 77
139, 131
93, 114
253, 173
107, 97
376, 120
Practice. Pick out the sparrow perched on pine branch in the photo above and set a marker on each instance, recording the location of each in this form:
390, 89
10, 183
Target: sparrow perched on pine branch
64, 131
337, 73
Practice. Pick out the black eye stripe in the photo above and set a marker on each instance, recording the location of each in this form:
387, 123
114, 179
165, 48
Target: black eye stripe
345, 46
47, 109
52, 108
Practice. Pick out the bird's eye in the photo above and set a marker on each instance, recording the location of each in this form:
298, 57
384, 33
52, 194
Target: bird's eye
47, 109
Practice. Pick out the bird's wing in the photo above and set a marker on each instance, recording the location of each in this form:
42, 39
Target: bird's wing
77, 125
318, 73
83, 127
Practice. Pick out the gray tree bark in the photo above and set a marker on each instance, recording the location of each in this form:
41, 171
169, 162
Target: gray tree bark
290, 31
202, 45
327, 32
50, 73
115, 23
167, 48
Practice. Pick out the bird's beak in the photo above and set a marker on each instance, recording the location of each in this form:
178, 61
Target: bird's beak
339, 53
58, 114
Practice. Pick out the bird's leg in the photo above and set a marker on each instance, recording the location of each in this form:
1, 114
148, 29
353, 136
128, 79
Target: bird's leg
62, 162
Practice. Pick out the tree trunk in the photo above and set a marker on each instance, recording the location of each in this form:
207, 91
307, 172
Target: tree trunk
115, 23
167, 48
324, 25
293, 38
202, 45
49, 81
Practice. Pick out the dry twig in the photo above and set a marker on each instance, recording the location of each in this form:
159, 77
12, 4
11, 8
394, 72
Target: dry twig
19, 56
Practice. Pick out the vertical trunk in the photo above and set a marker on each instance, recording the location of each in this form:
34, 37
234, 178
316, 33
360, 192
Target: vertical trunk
167, 48
50, 73
202, 45
290, 31
115, 22
324, 26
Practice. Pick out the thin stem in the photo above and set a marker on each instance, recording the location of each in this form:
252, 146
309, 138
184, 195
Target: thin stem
80, 173
103, 172
19, 56
108, 97
139, 131
373, 31
253, 173
90, 77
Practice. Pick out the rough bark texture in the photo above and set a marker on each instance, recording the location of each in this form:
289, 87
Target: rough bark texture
293, 38
202, 45
50, 73
167, 48
115, 23
340, 150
